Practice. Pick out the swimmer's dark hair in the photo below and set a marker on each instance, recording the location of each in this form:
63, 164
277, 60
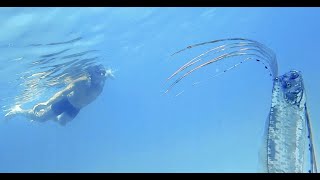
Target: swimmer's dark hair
94, 69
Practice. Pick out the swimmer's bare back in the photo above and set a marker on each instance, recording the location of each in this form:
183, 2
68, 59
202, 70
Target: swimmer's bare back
84, 92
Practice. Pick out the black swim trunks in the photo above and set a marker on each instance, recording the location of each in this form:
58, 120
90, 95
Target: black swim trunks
64, 106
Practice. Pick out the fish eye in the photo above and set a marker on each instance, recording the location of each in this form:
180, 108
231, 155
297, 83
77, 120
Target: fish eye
288, 85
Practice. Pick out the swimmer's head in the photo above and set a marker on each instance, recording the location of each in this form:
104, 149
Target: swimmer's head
99, 73
96, 71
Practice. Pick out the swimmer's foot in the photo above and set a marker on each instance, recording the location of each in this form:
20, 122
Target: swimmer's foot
13, 112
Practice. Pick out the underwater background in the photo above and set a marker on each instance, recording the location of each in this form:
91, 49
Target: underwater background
133, 126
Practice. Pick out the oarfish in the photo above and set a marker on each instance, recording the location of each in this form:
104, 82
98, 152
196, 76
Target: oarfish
288, 128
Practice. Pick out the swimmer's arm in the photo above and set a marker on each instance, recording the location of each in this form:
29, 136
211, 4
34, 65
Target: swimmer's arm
61, 94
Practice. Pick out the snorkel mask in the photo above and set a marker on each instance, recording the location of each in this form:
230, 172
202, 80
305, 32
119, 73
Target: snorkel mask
97, 71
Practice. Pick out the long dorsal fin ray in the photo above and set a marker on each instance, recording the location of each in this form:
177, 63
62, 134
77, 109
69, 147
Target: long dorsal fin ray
245, 47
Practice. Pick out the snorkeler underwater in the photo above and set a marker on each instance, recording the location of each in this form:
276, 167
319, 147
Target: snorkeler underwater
66, 104
288, 130
79, 76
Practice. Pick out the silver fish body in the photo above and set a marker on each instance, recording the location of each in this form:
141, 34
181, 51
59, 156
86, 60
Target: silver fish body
286, 128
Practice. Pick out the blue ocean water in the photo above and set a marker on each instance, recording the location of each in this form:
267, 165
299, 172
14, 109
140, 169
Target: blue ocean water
132, 126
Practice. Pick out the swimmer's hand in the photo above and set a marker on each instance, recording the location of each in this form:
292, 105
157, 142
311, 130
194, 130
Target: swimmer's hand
12, 113
110, 73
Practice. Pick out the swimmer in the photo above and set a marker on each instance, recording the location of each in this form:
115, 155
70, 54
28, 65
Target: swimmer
66, 104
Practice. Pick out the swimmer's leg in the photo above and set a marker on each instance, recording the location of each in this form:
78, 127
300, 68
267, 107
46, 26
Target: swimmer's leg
63, 118
41, 115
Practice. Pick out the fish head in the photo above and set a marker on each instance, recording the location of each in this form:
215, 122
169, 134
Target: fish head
292, 86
